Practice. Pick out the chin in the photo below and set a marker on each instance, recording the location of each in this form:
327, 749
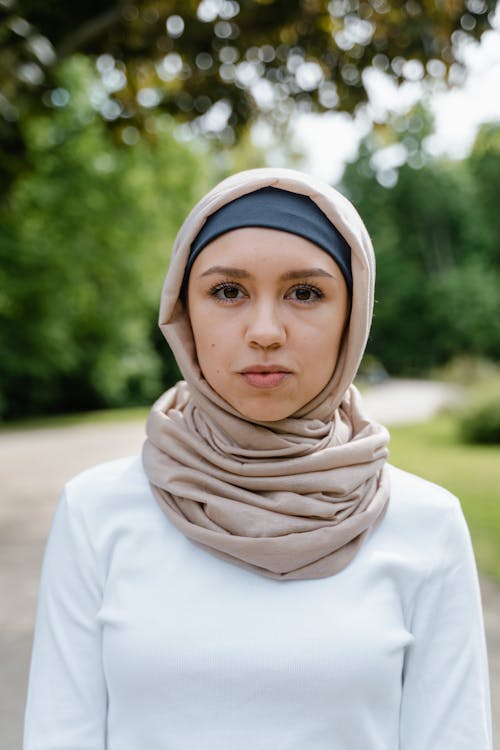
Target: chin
265, 412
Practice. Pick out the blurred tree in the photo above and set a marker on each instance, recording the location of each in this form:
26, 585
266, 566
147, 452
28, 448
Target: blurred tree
84, 241
484, 163
433, 228
217, 63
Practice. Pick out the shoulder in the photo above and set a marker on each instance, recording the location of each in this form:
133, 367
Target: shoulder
99, 490
113, 508
423, 520
416, 494
422, 504
108, 475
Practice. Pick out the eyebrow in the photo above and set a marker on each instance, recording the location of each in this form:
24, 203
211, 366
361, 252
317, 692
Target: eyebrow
240, 273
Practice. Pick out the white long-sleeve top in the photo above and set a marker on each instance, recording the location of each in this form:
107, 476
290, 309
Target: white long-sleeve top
144, 641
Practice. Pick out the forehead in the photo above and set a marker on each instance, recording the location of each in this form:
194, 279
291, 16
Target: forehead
259, 245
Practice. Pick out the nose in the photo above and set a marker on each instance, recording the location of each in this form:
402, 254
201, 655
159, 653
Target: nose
265, 327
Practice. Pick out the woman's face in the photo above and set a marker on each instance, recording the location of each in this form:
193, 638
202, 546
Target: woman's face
268, 310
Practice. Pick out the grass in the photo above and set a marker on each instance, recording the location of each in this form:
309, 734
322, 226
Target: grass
472, 472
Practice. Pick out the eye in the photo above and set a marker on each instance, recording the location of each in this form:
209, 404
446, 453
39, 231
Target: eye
226, 292
305, 293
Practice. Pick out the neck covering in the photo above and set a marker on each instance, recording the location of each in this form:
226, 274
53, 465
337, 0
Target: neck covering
275, 209
290, 499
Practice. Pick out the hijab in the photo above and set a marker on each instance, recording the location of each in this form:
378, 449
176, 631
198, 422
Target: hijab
288, 499
275, 209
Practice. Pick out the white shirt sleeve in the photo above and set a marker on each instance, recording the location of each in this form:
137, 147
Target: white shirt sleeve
66, 705
445, 702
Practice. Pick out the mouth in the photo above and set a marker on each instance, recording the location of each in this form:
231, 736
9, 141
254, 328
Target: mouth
265, 376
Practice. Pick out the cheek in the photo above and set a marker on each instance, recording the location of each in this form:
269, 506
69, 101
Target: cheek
206, 348
203, 334
212, 332
210, 352
321, 346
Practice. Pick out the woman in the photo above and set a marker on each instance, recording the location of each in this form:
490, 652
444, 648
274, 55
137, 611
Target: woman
262, 578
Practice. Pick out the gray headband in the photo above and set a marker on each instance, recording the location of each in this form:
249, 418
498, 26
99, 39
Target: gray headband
274, 208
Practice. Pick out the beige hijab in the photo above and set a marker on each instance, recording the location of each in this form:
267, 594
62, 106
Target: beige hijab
287, 499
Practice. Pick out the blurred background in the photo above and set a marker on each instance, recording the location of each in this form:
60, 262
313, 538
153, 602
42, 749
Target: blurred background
115, 117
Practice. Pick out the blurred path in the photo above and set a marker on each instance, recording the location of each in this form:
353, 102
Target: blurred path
34, 465
406, 401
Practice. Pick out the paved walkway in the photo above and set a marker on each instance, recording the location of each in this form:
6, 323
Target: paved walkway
34, 464
406, 401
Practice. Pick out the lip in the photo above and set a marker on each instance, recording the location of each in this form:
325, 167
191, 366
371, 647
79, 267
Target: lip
265, 369
265, 376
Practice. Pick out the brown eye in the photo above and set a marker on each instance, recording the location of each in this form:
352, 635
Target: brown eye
306, 293
303, 294
230, 292
226, 292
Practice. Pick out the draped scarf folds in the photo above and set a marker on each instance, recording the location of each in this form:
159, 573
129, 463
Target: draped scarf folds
289, 499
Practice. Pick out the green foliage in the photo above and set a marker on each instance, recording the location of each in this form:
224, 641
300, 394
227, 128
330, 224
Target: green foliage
84, 245
469, 306
438, 277
272, 57
484, 165
479, 421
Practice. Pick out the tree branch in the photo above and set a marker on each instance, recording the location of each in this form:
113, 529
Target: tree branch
90, 30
